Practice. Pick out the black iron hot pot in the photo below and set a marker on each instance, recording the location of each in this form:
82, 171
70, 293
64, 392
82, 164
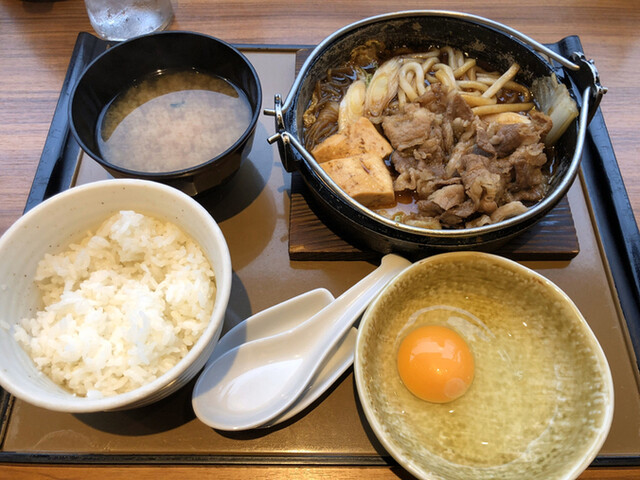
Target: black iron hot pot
480, 38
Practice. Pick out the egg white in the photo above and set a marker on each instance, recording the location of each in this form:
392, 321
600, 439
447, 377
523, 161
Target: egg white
526, 393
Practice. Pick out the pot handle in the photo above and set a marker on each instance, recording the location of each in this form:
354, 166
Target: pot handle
285, 139
582, 71
587, 77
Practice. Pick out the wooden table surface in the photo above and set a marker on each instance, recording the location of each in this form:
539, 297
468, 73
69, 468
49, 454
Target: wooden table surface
37, 37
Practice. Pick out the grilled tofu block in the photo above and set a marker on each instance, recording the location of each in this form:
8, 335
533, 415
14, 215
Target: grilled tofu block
358, 138
364, 177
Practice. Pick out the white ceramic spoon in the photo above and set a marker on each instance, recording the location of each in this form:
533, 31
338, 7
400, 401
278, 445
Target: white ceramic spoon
272, 321
256, 382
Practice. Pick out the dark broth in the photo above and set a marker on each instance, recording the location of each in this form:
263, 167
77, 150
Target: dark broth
330, 90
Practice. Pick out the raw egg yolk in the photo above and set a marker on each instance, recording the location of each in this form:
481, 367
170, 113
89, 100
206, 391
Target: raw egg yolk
435, 364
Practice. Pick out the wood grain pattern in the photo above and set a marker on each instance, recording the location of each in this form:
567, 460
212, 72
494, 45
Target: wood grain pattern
253, 473
553, 238
36, 40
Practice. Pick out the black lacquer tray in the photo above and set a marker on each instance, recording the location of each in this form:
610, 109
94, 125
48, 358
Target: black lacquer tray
612, 220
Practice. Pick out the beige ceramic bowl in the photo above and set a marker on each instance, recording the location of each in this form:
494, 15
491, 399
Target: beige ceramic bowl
65, 218
541, 403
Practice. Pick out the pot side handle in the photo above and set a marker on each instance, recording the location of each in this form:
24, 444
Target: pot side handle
587, 77
286, 140
582, 71
283, 137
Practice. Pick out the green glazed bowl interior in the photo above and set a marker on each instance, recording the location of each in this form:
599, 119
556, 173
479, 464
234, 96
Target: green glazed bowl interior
541, 403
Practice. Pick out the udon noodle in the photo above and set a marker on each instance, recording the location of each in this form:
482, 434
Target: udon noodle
404, 78
463, 142
478, 87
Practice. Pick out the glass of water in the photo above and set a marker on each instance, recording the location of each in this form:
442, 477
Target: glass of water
124, 19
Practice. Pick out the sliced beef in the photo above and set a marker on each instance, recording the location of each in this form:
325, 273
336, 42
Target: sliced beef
436, 183
480, 221
433, 150
428, 208
483, 186
507, 210
457, 115
448, 196
419, 175
464, 171
409, 171
434, 98
507, 138
541, 122
530, 196
410, 128
459, 207
458, 108
455, 216
482, 144
529, 182
459, 150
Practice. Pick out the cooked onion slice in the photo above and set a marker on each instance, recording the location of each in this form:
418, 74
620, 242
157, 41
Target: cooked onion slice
352, 104
382, 88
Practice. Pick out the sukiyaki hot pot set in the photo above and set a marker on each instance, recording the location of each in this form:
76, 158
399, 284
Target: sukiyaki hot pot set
416, 31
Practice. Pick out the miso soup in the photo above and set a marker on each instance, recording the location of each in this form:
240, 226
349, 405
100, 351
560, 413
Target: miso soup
172, 121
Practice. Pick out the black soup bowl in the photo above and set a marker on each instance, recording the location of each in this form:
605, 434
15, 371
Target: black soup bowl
129, 62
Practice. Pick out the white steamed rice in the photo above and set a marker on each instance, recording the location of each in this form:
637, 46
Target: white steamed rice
121, 308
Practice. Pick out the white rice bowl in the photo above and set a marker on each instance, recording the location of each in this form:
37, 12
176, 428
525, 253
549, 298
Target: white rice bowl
152, 360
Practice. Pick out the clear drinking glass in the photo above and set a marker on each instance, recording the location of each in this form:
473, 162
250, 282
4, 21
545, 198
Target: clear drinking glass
124, 19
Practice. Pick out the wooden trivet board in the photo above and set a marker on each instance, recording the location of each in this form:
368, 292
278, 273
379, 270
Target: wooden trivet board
553, 238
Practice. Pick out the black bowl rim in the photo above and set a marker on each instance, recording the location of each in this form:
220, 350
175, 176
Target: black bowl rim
522, 221
185, 172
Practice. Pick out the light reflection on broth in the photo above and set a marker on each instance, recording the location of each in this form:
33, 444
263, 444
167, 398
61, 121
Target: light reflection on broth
173, 121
